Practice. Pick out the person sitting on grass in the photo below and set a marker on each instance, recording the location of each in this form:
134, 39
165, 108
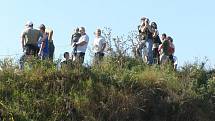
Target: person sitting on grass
67, 63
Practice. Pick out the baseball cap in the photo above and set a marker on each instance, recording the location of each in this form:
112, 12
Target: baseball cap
29, 23
42, 26
143, 18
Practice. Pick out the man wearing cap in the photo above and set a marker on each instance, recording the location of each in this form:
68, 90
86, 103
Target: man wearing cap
99, 45
30, 37
29, 40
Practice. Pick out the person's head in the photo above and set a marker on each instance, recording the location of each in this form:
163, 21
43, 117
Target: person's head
170, 39
77, 30
142, 20
29, 24
163, 36
98, 32
82, 30
42, 28
154, 25
66, 55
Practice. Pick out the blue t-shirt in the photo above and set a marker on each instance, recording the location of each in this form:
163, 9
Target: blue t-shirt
45, 50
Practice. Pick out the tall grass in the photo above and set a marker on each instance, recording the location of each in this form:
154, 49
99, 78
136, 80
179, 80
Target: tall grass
111, 91
120, 88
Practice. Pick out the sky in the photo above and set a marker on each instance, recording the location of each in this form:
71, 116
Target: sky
189, 22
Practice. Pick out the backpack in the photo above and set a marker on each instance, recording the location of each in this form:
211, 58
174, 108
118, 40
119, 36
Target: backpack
167, 48
171, 48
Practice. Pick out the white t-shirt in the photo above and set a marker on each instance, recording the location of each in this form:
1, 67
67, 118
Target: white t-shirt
98, 44
83, 48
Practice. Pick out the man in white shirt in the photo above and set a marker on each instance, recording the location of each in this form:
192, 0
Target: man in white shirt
99, 45
81, 45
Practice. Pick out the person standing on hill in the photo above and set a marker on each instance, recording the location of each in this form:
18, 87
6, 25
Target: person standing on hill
163, 37
147, 31
163, 49
75, 37
167, 50
171, 50
81, 46
29, 41
99, 45
51, 47
43, 44
156, 43
30, 38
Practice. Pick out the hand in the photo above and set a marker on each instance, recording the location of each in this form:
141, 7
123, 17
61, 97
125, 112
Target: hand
74, 44
147, 21
39, 54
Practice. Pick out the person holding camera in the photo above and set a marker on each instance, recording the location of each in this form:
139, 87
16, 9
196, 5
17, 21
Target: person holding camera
146, 31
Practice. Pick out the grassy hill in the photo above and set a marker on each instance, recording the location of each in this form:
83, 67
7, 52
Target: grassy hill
119, 89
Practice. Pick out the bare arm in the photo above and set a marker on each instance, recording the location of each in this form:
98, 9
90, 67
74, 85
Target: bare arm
50, 35
81, 43
143, 28
155, 33
42, 44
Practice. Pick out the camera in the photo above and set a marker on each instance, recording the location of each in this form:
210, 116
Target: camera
147, 20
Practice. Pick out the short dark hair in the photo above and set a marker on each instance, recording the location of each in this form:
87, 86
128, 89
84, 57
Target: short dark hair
143, 18
42, 27
164, 34
170, 39
77, 29
66, 53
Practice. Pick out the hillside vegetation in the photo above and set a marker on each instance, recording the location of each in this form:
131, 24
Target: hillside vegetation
119, 89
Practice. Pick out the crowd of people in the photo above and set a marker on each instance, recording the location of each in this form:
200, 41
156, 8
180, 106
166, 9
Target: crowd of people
153, 48
39, 43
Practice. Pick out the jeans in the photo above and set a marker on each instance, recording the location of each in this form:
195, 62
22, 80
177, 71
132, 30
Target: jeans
150, 53
80, 57
51, 50
156, 56
31, 49
98, 57
44, 56
140, 47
